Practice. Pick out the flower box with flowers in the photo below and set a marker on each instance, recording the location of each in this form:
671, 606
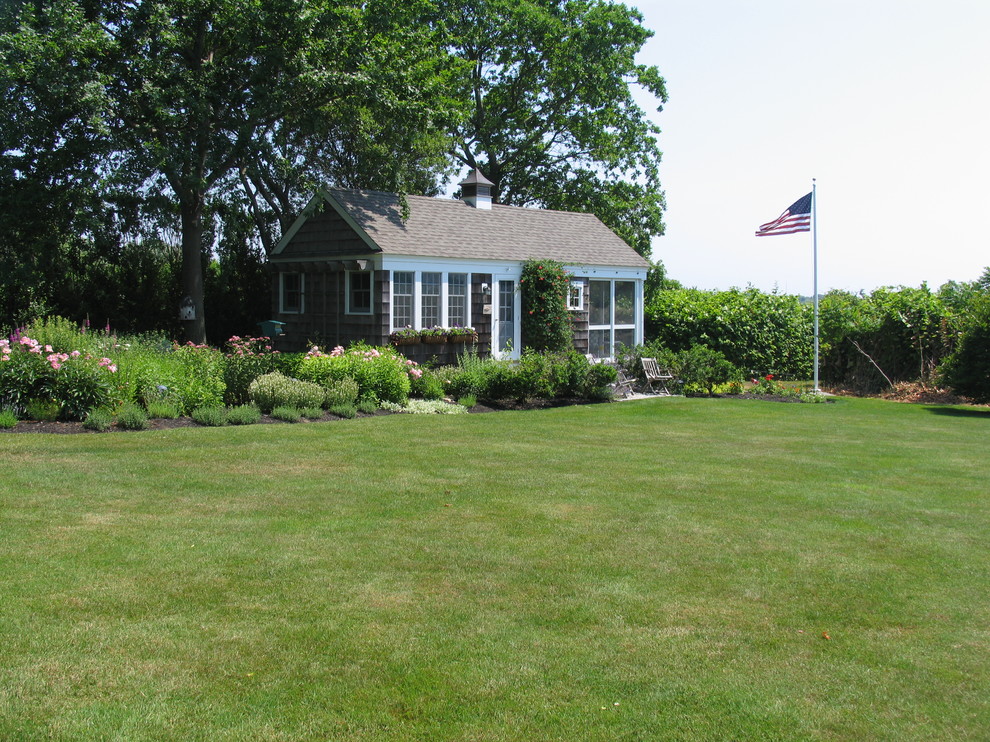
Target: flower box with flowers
462, 335
434, 335
405, 336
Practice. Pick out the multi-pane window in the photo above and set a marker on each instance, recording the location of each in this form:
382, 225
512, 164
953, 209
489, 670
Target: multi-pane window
292, 293
506, 314
612, 316
403, 288
430, 292
430, 299
575, 296
457, 299
359, 292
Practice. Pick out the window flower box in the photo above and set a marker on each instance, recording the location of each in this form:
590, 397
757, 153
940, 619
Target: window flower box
406, 336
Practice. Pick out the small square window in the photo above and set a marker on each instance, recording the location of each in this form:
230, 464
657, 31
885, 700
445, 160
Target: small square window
575, 296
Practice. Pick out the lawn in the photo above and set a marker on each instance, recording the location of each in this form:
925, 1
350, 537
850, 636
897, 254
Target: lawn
667, 569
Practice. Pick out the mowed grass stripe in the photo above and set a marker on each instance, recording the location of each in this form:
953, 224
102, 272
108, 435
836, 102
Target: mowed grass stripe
662, 569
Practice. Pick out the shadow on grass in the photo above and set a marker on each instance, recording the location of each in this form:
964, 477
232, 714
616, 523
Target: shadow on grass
983, 412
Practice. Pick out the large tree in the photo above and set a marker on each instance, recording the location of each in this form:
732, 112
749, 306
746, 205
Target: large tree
555, 122
200, 96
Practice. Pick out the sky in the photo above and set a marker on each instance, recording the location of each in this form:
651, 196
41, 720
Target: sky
885, 103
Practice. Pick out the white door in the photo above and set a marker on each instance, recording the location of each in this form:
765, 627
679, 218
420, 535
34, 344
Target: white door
505, 318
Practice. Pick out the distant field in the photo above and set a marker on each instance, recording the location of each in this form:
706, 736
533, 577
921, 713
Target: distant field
666, 569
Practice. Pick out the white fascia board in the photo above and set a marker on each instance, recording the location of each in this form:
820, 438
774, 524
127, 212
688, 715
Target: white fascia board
607, 271
449, 265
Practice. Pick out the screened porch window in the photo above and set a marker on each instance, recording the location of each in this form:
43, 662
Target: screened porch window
612, 316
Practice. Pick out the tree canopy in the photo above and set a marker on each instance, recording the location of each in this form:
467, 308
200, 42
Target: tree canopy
138, 133
554, 121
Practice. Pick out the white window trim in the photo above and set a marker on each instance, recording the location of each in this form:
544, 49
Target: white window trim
347, 293
418, 296
579, 285
612, 325
302, 293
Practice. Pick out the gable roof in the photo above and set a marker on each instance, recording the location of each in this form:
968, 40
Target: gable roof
447, 228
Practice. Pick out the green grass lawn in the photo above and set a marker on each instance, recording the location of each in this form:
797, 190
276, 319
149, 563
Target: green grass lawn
662, 569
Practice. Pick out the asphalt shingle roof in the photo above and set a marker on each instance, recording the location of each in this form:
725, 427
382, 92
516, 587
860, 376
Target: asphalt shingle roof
449, 228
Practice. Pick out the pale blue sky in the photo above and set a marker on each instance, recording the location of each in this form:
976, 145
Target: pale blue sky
885, 102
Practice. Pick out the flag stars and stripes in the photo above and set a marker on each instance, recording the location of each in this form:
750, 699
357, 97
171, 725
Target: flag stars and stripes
797, 218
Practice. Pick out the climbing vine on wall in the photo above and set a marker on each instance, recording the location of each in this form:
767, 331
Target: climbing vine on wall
546, 323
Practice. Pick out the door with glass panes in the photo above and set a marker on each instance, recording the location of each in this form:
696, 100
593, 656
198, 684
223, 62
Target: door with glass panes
505, 318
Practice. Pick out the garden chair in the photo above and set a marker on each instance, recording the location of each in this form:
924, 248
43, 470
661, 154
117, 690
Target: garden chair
656, 376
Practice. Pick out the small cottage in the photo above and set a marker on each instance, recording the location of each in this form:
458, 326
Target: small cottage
355, 267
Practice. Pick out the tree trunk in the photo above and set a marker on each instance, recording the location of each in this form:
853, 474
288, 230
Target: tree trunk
192, 265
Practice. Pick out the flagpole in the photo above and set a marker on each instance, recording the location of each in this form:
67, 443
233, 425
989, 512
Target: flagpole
814, 239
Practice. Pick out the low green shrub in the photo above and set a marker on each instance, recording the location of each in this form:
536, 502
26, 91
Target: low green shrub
132, 417
42, 410
367, 406
433, 407
245, 360
598, 381
428, 385
7, 419
99, 419
163, 409
275, 390
341, 391
468, 400
347, 411
287, 413
200, 377
381, 371
312, 413
245, 414
212, 416
702, 370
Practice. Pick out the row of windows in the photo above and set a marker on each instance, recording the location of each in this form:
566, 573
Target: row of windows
442, 303
443, 299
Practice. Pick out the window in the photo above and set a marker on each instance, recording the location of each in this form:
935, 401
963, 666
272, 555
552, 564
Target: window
291, 293
457, 300
359, 292
430, 300
612, 316
403, 284
575, 296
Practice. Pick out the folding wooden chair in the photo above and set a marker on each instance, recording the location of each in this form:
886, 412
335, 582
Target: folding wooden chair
656, 376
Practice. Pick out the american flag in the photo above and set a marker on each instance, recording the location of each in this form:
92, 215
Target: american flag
797, 218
